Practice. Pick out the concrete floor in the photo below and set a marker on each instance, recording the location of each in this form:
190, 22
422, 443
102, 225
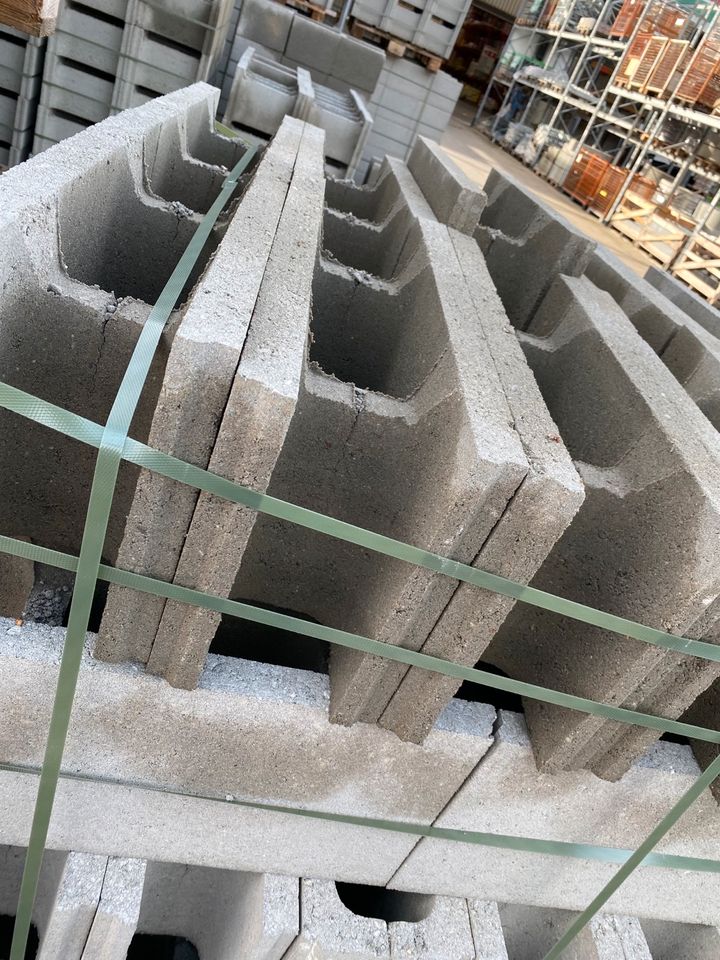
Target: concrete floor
476, 155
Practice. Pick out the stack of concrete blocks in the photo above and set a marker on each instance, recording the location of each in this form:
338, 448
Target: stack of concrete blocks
424, 342
264, 92
641, 545
21, 66
332, 58
409, 101
115, 54
431, 25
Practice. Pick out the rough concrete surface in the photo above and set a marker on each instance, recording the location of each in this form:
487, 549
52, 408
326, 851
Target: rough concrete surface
454, 199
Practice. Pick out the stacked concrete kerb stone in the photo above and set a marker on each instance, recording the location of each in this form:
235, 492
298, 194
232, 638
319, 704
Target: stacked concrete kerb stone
431, 25
90, 235
333, 59
264, 92
21, 66
409, 101
121, 53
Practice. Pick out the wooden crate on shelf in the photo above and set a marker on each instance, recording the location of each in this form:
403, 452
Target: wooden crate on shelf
699, 267
650, 58
627, 17
670, 64
584, 177
632, 59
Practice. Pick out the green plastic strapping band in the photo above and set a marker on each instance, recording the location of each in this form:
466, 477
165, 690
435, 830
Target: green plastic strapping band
378, 648
501, 841
79, 428
102, 492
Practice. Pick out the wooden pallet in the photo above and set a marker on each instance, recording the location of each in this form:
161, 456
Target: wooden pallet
699, 267
29, 16
394, 46
312, 10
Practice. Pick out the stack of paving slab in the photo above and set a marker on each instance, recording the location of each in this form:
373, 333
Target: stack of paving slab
431, 25
21, 66
93, 906
375, 359
107, 55
264, 92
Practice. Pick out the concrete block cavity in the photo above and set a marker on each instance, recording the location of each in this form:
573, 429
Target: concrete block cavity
526, 246
224, 914
116, 918
382, 241
685, 298
198, 380
443, 934
531, 933
79, 232
681, 941
453, 198
545, 502
17, 578
641, 545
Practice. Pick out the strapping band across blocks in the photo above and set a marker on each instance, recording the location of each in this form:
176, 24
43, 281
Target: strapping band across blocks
446, 382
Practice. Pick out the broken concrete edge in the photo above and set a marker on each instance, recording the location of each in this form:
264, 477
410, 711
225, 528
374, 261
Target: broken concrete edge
455, 201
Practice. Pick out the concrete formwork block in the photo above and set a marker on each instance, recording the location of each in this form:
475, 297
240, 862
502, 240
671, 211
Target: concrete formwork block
685, 298
357, 65
67, 898
346, 123
546, 501
116, 918
224, 914
198, 379
522, 238
373, 230
263, 93
508, 795
85, 249
276, 712
330, 931
255, 421
649, 461
455, 201
265, 23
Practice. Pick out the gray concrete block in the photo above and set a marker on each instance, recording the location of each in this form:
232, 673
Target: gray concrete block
198, 378
64, 222
531, 933
521, 237
262, 94
17, 577
266, 23
440, 931
507, 794
255, 421
455, 201
276, 712
680, 941
547, 500
648, 459
357, 64
685, 298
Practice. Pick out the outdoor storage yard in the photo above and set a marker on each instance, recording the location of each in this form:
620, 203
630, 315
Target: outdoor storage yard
359, 535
